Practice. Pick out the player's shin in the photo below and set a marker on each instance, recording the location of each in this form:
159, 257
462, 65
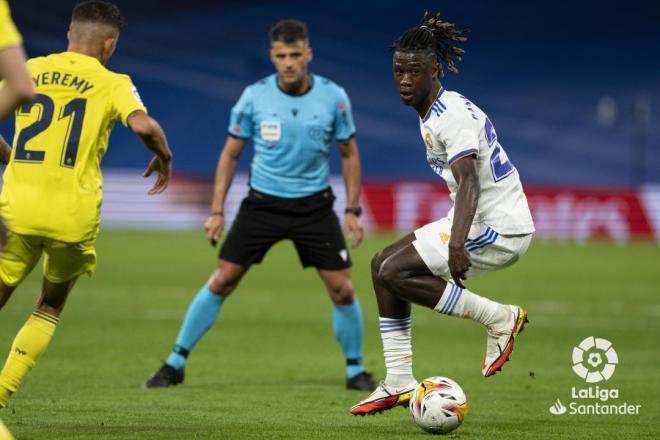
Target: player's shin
347, 324
201, 315
397, 349
29, 344
456, 301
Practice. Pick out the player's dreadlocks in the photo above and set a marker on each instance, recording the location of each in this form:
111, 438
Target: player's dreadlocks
434, 36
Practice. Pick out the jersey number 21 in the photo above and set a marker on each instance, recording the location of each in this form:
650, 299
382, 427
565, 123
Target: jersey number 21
74, 110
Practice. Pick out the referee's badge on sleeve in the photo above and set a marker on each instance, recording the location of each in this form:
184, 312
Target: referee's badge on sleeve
271, 131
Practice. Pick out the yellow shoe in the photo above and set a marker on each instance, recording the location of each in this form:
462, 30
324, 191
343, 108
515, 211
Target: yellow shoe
4, 432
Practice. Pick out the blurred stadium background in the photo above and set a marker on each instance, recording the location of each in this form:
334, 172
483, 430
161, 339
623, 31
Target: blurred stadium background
573, 91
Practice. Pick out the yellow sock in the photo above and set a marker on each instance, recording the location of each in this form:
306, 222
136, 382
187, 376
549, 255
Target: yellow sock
4, 432
30, 342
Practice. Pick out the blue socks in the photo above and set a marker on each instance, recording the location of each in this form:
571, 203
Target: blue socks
201, 315
348, 327
204, 309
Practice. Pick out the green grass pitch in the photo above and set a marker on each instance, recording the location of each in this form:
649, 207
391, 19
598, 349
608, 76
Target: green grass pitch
271, 369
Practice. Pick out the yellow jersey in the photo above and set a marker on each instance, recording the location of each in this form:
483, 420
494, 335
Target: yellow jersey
53, 183
9, 36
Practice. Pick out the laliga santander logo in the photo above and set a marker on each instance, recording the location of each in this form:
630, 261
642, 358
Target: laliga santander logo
594, 359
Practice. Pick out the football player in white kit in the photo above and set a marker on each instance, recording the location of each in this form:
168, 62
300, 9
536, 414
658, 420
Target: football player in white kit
488, 228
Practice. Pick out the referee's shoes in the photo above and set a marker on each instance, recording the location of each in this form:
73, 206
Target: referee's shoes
361, 382
166, 376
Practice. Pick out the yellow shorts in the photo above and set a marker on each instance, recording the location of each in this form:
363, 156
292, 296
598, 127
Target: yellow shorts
9, 35
62, 262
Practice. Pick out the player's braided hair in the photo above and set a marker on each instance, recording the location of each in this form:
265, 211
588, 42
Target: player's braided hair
99, 11
436, 37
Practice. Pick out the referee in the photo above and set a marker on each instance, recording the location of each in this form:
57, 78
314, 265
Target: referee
291, 116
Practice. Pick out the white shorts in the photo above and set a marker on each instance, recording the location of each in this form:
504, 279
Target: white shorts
489, 250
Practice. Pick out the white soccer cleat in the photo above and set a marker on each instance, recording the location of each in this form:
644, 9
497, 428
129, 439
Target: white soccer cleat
384, 398
501, 337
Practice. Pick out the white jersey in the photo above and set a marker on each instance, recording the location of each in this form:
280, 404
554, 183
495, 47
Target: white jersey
454, 128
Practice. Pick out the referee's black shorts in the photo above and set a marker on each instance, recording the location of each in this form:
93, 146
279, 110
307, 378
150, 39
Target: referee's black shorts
309, 222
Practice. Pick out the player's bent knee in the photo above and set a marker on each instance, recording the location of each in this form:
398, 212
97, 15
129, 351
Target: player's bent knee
392, 277
389, 274
222, 284
342, 294
376, 261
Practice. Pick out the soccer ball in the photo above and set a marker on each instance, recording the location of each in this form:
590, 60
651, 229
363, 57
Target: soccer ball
438, 405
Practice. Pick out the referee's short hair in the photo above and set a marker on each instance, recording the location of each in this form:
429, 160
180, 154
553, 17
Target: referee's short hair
289, 31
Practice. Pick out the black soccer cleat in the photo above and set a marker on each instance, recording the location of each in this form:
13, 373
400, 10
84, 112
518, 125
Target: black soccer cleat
361, 382
166, 376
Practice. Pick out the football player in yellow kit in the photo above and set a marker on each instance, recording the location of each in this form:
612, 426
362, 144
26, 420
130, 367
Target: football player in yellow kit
17, 87
16, 83
51, 197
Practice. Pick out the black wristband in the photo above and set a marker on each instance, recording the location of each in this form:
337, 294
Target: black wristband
218, 213
356, 211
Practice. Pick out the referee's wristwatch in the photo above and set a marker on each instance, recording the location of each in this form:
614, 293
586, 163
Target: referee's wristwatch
356, 211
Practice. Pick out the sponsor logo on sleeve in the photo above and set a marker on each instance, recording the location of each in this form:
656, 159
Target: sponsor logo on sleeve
136, 95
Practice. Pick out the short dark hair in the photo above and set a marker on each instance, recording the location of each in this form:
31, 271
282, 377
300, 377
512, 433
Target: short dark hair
437, 37
99, 11
289, 31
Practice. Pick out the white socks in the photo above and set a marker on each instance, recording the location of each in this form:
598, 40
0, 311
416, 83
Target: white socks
397, 349
465, 304
395, 333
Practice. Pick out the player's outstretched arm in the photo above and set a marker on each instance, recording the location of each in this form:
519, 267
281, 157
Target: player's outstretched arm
350, 162
17, 84
465, 207
224, 175
153, 137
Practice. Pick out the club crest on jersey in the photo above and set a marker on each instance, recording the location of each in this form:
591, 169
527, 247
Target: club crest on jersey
271, 131
428, 140
444, 237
